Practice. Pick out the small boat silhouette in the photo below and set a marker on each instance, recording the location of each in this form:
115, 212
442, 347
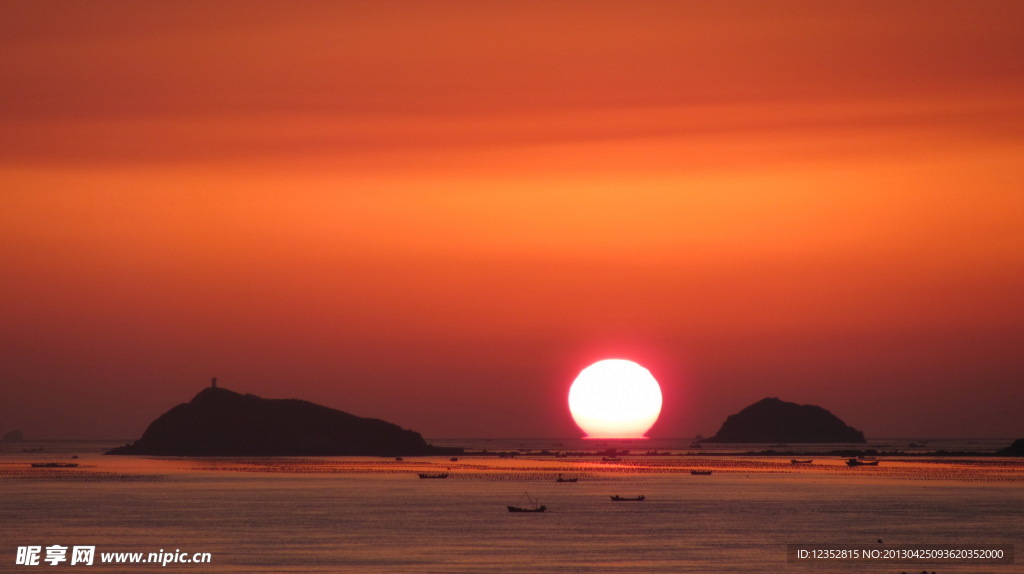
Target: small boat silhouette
701, 472
562, 479
534, 506
433, 475
855, 462
617, 498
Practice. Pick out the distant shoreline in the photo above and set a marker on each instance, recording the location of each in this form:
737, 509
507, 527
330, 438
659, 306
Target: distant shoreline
768, 452
633, 448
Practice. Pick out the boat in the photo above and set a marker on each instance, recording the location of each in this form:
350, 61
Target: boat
617, 498
611, 459
534, 506
540, 508
433, 475
54, 464
563, 479
796, 461
855, 462
701, 472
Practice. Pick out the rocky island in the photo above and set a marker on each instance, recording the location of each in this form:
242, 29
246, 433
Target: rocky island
1015, 449
220, 422
773, 420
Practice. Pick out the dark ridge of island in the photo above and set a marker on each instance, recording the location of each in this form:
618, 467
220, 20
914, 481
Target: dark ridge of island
1015, 449
13, 436
220, 422
776, 421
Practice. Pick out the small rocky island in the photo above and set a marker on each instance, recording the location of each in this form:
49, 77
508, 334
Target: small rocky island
220, 422
1015, 449
773, 420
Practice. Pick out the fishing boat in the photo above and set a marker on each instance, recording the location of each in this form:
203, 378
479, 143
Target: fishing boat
563, 479
855, 462
796, 461
54, 464
533, 505
617, 498
433, 475
701, 472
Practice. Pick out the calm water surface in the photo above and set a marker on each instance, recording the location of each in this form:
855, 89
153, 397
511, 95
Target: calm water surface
331, 515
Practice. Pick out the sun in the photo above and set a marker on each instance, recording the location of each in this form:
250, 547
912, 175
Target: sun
615, 398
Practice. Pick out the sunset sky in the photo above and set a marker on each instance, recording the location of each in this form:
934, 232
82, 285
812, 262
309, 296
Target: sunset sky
437, 213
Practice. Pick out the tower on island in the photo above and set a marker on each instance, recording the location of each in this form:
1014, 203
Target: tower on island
213, 383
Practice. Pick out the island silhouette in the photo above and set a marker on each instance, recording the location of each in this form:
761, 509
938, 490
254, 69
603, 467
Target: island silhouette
773, 420
1015, 449
221, 422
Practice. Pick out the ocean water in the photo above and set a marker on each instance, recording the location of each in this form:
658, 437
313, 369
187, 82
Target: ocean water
690, 445
375, 515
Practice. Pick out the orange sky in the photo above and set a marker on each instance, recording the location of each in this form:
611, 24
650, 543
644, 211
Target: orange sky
438, 212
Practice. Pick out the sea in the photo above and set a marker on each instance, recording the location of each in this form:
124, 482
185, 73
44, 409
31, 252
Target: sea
753, 513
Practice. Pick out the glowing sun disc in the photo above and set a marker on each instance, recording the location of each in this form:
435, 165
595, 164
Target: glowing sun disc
615, 398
